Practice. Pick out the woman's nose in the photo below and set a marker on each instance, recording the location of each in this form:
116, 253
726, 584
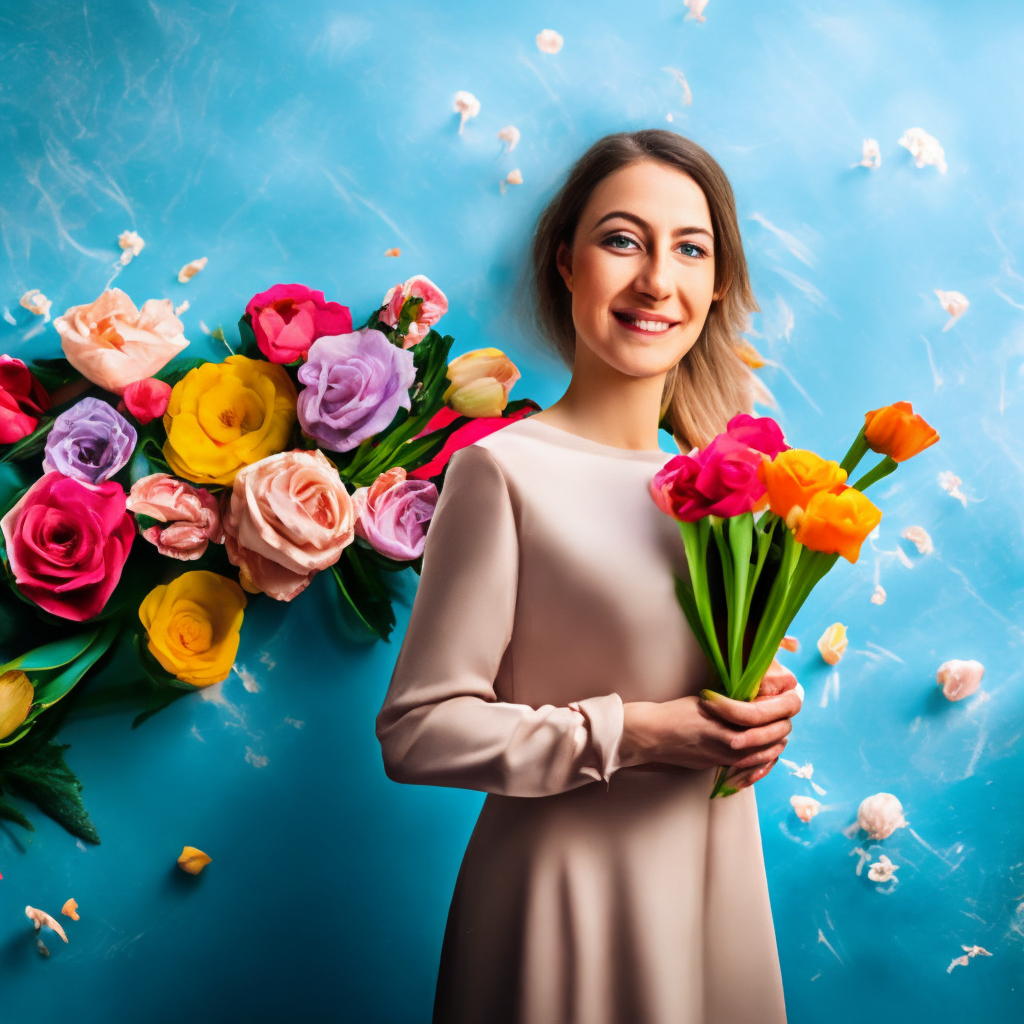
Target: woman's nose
655, 275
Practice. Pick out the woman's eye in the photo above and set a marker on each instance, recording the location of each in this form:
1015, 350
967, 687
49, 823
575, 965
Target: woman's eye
697, 250
618, 241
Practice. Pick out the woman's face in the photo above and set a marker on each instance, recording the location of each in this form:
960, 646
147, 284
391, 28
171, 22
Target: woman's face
642, 269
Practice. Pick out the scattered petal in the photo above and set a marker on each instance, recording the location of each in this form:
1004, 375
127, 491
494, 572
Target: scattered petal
256, 760
806, 807
681, 79
959, 679
864, 858
192, 860
919, 535
36, 302
832, 643
514, 177
510, 136
871, 154
549, 41
70, 909
960, 961
190, 270
950, 483
183, 308
41, 917
878, 597
975, 951
790, 643
132, 243
880, 815
883, 869
749, 354
696, 9
467, 105
954, 303
924, 148
393, 252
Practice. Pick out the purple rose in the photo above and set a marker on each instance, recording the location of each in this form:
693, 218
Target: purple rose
90, 442
355, 383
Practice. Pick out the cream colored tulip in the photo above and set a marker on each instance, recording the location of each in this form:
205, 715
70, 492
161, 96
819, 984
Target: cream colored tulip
832, 643
480, 382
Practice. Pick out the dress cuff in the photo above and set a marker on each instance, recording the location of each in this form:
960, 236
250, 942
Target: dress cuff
605, 718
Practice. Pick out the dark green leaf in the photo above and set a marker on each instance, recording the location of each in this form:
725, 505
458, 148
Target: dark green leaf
8, 813
53, 373
176, 370
53, 655
30, 445
364, 591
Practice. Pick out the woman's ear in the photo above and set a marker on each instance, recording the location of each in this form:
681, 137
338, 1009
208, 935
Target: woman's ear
563, 261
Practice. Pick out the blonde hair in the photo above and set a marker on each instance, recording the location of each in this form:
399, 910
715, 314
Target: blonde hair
711, 383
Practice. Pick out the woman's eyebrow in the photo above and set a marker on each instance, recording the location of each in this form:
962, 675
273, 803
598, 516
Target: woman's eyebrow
640, 222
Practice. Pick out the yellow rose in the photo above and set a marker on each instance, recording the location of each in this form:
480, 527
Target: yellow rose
193, 624
16, 696
223, 416
480, 382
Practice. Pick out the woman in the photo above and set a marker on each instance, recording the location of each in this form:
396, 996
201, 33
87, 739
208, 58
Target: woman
547, 661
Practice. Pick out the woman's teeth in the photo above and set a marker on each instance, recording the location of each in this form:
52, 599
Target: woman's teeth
645, 325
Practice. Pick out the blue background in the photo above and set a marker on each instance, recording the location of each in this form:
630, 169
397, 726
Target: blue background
297, 142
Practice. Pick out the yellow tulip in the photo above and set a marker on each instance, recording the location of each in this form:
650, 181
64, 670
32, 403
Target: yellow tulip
480, 382
897, 431
193, 624
223, 416
16, 696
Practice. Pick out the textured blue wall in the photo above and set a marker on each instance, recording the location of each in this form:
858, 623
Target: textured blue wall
298, 141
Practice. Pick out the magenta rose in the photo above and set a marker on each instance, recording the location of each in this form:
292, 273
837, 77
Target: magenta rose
761, 433
393, 512
288, 318
67, 544
22, 400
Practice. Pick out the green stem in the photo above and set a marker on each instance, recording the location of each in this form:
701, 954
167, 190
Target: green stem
883, 469
695, 541
856, 452
740, 542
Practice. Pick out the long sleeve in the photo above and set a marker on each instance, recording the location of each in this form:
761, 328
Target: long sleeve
441, 723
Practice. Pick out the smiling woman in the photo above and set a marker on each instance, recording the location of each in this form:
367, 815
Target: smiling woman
547, 661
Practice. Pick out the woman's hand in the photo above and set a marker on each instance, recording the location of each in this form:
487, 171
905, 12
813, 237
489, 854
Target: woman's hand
694, 732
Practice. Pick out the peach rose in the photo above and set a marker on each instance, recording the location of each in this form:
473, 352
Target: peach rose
113, 344
191, 515
392, 514
289, 516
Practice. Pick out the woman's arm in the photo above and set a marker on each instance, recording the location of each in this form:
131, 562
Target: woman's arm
442, 723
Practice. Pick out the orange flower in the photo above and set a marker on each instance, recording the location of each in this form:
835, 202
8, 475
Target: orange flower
836, 522
794, 476
749, 354
897, 431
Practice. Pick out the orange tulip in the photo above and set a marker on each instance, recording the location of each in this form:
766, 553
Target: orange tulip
836, 522
794, 476
749, 354
897, 431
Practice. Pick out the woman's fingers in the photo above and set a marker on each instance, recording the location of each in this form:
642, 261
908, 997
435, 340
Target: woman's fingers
751, 713
777, 679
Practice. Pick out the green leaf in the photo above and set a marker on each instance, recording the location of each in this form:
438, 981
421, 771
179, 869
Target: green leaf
364, 591
53, 373
247, 338
8, 813
53, 655
49, 693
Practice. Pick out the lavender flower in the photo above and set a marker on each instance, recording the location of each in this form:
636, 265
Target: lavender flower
90, 442
355, 383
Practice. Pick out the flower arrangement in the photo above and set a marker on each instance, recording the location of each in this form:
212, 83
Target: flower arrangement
744, 569
153, 496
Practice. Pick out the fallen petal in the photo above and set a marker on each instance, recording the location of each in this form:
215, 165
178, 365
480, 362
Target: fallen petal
832, 643
70, 909
467, 105
882, 870
510, 136
683, 84
183, 308
806, 807
924, 148
190, 270
514, 177
954, 303
549, 41
960, 961
696, 9
878, 597
132, 243
959, 679
880, 815
871, 154
950, 483
192, 860
919, 535
392, 252
36, 302
790, 643
41, 917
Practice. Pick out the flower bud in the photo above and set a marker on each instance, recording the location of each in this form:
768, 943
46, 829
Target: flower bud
480, 382
16, 696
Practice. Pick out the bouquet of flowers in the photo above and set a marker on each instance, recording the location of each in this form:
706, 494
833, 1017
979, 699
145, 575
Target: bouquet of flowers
745, 568
147, 495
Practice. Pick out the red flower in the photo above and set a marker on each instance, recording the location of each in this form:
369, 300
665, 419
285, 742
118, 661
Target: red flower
22, 400
67, 544
288, 318
147, 399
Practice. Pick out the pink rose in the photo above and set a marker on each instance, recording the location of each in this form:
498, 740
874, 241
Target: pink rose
146, 399
288, 318
22, 400
192, 515
721, 481
113, 344
392, 513
434, 305
761, 433
67, 543
288, 517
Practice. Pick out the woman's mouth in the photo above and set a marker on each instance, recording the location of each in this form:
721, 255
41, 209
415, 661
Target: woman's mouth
643, 326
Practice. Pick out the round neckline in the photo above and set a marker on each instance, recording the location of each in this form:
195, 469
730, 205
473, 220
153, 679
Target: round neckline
571, 440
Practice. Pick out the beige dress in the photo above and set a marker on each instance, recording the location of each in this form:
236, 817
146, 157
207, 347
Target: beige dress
589, 893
